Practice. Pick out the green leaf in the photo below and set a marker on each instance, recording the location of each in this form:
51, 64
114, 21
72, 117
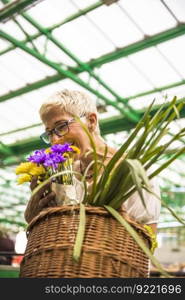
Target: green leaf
173, 213
165, 147
84, 180
176, 111
114, 182
123, 149
139, 177
149, 155
80, 234
95, 166
138, 239
160, 123
154, 143
136, 150
167, 163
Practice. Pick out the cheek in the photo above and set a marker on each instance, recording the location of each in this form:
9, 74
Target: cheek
81, 139
77, 132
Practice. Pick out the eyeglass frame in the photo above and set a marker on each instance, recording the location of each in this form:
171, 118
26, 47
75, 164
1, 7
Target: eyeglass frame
50, 132
54, 129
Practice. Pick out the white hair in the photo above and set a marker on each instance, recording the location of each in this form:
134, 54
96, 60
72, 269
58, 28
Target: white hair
76, 103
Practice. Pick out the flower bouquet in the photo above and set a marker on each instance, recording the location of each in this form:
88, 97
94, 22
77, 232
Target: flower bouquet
125, 173
53, 165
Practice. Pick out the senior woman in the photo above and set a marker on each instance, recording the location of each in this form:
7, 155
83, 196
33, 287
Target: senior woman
57, 115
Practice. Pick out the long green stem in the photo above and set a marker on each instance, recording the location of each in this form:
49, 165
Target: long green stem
137, 238
95, 175
80, 234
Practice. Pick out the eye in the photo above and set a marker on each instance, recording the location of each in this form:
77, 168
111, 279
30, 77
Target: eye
48, 133
61, 126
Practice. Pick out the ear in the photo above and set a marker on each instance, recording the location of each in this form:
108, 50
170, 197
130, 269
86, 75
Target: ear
92, 122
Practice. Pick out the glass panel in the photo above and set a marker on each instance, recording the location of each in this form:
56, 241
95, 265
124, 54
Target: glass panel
52, 12
52, 52
151, 15
12, 28
124, 78
178, 8
83, 3
155, 67
82, 38
174, 50
116, 25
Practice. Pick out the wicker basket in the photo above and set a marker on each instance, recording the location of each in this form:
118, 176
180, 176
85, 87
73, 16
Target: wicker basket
108, 249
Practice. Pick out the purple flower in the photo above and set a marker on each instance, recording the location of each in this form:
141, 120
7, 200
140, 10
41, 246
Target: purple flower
58, 148
53, 160
38, 157
50, 159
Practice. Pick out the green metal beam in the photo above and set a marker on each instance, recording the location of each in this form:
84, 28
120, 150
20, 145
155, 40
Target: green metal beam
132, 114
138, 46
25, 146
5, 150
55, 78
20, 129
148, 42
159, 89
68, 74
8, 221
31, 87
51, 28
15, 7
11, 160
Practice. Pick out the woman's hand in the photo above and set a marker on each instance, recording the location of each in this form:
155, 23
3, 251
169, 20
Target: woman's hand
45, 197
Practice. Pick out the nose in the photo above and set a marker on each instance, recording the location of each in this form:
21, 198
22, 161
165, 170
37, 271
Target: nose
55, 139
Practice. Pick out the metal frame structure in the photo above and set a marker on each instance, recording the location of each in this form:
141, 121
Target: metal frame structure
127, 116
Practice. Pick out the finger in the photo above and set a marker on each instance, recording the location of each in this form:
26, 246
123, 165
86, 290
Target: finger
46, 192
43, 191
33, 183
52, 203
44, 201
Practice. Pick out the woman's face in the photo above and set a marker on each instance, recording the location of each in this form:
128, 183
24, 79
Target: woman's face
76, 134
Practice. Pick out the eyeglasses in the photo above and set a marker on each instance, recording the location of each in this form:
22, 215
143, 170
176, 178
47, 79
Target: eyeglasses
60, 130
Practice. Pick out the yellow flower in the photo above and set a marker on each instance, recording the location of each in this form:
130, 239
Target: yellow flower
37, 170
48, 150
68, 162
24, 168
75, 149
24, 178
153, 237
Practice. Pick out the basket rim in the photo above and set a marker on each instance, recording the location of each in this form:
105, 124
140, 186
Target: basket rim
89, 209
